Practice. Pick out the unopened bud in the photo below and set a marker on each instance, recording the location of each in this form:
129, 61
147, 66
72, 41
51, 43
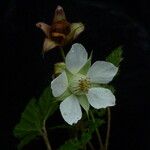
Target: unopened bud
59, 68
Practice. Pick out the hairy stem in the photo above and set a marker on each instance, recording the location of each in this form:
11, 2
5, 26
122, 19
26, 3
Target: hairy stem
45, 138
108, 128
97, 132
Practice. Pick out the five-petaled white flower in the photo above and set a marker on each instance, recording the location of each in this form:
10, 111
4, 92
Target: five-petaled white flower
80, 84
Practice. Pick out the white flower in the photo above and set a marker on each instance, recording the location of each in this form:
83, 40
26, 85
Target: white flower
80, 83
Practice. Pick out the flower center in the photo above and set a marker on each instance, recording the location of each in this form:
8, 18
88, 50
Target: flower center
80, 85
84, 84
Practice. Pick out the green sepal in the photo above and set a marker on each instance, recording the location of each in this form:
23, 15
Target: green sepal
116, 56
107, 86
84, 102
64, 95
34, 116
69, 74
86, 67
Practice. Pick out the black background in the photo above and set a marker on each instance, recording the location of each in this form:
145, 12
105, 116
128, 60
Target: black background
108, 24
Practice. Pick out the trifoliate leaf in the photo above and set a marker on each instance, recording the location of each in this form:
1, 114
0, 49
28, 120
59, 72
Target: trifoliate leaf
34, 117
116, 56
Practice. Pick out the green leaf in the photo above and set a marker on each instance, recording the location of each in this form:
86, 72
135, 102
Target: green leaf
84, 137
47, 104
29, 126
116, 56
71, 144
77, 144
34, 116
26, 140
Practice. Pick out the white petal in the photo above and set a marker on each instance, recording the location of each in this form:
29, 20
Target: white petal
59, 84
76, 58
100, 98
102, 72
71, 110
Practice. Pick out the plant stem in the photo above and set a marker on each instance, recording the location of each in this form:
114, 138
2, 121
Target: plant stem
108, 128
97, 132
45, 137
91, 146
62, 53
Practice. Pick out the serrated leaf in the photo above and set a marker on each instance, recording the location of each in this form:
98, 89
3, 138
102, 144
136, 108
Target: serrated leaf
80, 142
26, 140
116, 56
29, 126
34, 116
29, 120
47, 104
77, 144
86, 135
71, 144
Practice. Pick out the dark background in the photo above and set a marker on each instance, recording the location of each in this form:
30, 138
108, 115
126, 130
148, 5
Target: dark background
109, 24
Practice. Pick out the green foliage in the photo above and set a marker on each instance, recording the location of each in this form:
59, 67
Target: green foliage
34, 116
100, 113
86, 135
115, 57
47, 104
26, 139
77, 144
72, 144
96, 124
